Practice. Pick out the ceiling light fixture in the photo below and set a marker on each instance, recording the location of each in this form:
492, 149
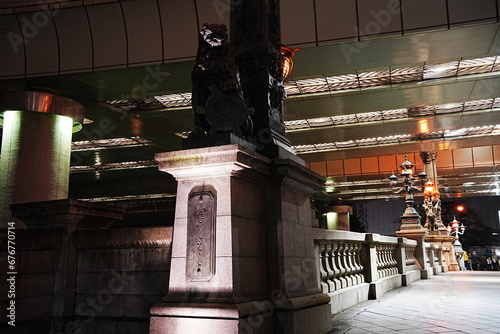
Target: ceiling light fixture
394, 114
481, 131
392, 76
100, 144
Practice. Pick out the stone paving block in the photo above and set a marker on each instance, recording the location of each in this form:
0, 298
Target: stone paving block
429, 306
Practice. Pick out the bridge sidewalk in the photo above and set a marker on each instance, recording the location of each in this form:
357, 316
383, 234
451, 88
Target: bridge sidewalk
452, 302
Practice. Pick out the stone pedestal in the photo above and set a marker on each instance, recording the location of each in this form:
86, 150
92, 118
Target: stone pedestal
242, 254
445, 241
410, 220
419, 235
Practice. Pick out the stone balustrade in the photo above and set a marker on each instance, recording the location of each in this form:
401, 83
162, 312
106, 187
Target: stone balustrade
436, 257
354, 267
410, 259
340, 264
386, 263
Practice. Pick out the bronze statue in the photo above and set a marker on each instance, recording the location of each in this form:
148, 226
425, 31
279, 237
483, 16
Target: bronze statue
217, 97
432, 210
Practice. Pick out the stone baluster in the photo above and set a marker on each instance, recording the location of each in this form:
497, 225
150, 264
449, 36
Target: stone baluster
347, 265
411, 260
394, 263
385, 262
352, 260
332, 251
380, 260
341, 265
329, 268
356, 267
350, 267
323, 268
388, 261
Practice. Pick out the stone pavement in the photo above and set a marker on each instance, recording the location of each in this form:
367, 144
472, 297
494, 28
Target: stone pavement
452, 302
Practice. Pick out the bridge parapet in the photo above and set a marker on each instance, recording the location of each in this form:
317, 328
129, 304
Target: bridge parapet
355, 267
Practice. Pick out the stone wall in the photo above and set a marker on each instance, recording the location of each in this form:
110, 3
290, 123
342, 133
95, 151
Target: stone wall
119, 275
36, 254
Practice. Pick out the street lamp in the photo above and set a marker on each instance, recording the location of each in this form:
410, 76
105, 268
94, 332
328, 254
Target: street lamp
455, 228
410, 219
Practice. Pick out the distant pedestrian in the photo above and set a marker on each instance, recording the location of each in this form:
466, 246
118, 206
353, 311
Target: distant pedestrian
475, 261
489, 263
494, 259
484, 262
466, 260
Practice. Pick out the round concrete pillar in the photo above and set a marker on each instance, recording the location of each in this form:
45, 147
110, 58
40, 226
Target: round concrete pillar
36, 147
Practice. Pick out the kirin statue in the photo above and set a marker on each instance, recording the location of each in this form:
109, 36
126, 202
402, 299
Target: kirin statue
217, 97
432, 206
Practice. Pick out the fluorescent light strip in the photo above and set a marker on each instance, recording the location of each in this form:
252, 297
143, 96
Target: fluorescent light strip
400, 139
385, 197
384, 115
359, 183
175, 100
330, 183
388, 190
393, 76
127, 198
362, 191
99, 144
392, 196
367, 79
114, 166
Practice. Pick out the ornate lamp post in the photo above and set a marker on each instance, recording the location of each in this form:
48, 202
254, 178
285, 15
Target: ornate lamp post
432, 202
410, 219
456, 228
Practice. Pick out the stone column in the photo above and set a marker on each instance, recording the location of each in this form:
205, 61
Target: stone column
36, 147
242, 254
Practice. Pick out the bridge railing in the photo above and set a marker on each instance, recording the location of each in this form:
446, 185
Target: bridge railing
366, 265
340, 262
411, 262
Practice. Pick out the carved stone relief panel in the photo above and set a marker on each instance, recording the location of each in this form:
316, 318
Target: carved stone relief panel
200, 262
